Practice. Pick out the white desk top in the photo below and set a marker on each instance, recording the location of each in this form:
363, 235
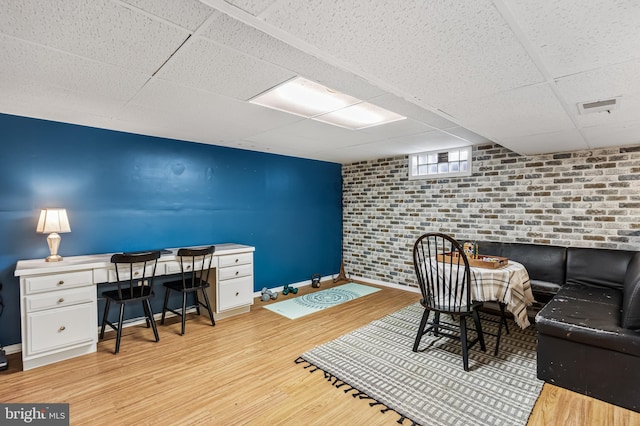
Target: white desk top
101, 261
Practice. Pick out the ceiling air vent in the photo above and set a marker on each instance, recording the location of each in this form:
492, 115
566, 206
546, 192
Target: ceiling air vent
599, 106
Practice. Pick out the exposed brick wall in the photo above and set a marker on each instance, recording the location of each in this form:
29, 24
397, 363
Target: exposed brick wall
584, 198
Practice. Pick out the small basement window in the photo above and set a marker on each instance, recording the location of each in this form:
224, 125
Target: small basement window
439, 164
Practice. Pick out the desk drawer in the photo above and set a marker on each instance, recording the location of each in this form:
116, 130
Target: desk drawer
61, 298
235, 293
39, 284
174, 267
57, 328
138, 271
235, 272
235, 259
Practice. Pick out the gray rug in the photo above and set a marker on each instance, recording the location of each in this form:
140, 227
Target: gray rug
430, 387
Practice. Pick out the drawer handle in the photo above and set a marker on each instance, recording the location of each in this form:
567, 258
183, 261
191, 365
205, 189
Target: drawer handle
237, 294
237, 260
62, 328
237, 272
61, 300
60, 282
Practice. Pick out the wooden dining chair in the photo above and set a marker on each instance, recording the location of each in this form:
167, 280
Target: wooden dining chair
134, 275
195, 266
443, 274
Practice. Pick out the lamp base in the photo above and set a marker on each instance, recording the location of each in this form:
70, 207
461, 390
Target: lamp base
53, 258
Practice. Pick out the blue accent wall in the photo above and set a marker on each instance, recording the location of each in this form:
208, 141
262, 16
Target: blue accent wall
126, 192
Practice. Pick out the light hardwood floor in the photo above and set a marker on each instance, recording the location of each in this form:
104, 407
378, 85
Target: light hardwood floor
241, 371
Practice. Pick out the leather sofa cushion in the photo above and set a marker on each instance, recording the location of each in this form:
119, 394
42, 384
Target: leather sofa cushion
631, 295
597, 267
543, 262
590, 316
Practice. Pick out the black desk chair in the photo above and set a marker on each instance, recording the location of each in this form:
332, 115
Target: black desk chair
445, 288
195, 266
134, 275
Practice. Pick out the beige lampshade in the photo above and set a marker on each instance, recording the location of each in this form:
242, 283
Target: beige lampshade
53, 220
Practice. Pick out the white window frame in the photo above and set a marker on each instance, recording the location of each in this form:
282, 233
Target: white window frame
417, 162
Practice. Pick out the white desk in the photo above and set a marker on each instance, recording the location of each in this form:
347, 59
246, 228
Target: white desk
58, 300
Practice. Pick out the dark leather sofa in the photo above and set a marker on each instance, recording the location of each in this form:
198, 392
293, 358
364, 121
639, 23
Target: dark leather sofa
589, 324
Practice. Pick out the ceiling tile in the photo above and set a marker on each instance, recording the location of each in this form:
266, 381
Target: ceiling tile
189, 14
215, 117
436, 51
254, 7
576, 35
97, 29
408, 109
525, 111
615, 135
468, 135
399, 128
603, 83
227, 31
564, 140
205, 65
26, 64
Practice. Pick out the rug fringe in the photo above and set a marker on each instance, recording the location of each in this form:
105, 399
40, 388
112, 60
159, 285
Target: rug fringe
338, 383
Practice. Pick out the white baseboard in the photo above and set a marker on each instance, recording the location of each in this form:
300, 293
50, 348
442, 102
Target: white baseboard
13, 349
298, 284
351, 277
386, 284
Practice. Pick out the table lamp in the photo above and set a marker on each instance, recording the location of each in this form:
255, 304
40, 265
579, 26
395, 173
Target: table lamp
51, 222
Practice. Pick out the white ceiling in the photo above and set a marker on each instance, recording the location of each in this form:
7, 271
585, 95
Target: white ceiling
463, 72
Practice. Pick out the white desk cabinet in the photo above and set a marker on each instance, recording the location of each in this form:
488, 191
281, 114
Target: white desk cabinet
58, 300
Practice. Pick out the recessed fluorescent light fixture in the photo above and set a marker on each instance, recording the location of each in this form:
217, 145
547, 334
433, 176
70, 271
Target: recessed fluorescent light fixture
312, 100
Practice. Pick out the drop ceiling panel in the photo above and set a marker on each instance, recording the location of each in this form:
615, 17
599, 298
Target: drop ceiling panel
97, 29
222, 119
426, 141
230, 32
437, 51
564, 140
254, 7
576, 35
189, 14
408, 109
202, 64
399, 128
614, 135
58, 104
468, 135
526, 111
320, 134
26, 64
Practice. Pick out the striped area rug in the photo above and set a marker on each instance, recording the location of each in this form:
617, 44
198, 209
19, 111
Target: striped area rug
430, 387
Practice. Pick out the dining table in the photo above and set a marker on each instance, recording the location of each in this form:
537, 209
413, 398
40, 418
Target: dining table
508, 284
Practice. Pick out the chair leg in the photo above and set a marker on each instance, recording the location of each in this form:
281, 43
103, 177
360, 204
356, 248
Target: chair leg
463, 340
197, 301
207, 305
184, 311
152, 321
503, 321
478, 324
166, 303
119, 331
503, 317
104, 317
423, 323
146, 314
436, 323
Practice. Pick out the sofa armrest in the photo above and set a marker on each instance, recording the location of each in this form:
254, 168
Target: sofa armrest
631, 295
